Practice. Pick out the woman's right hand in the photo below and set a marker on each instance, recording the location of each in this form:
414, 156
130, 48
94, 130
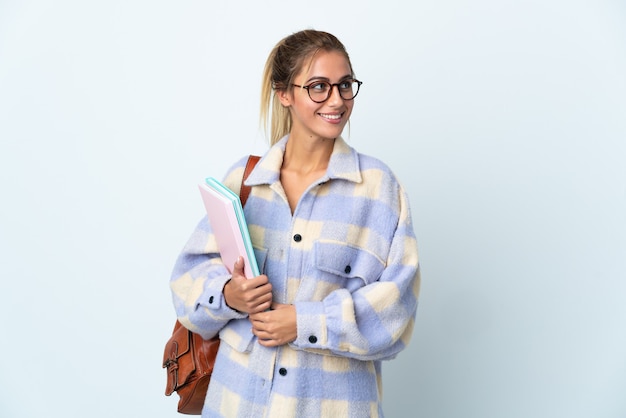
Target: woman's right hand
247, 295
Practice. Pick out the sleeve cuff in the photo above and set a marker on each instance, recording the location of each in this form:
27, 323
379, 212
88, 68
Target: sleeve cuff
213, 299
311, 324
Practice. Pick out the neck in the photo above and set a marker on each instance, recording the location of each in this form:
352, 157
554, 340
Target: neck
307, 156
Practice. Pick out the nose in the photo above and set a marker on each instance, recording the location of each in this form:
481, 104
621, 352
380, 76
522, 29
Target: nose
335, 96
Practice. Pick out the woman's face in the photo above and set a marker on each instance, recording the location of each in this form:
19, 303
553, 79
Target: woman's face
319, 120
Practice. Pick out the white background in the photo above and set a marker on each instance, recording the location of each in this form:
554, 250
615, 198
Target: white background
506, 121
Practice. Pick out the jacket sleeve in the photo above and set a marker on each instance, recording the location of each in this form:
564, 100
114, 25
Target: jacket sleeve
375, 321
199, 276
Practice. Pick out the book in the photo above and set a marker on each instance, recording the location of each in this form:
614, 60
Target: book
229, 225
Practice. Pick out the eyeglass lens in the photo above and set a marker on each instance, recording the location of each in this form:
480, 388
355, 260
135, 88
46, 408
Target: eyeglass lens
321, 91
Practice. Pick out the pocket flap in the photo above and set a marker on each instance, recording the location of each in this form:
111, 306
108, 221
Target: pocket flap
348, 261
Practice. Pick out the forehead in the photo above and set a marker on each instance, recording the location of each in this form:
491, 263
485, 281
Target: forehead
325, 64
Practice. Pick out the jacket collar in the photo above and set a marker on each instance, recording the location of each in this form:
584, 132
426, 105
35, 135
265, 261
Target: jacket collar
343, 164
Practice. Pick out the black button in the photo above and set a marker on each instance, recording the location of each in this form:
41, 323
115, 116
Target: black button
348, 269
312, 339
211, 299
297, 238
282, 371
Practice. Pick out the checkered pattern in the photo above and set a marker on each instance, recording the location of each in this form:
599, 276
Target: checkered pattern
346, 258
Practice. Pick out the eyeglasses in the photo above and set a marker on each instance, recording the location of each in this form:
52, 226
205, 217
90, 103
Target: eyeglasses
320, 91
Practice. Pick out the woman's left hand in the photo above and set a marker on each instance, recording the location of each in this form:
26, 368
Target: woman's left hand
275, 327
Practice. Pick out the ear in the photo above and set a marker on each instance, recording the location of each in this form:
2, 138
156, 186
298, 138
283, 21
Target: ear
285, 97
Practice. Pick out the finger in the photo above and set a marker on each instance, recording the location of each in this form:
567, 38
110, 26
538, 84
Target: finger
257, 320
256, 286
261, 335
261, 307
251, 291
255, 296
259, 287
258, 303
269, 342
238, 266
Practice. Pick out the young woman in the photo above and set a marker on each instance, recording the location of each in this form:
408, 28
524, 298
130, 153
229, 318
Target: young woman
333, 238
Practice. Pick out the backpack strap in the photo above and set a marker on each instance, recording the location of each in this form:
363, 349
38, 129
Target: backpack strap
245, 190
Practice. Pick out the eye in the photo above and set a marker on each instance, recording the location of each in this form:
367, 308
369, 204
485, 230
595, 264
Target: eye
346, 85
318, 87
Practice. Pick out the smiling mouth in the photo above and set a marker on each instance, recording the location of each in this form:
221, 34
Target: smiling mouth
331, 117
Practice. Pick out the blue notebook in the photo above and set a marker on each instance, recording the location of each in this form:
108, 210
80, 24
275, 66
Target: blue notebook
228, 223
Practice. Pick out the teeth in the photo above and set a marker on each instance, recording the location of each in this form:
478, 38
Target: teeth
330, 116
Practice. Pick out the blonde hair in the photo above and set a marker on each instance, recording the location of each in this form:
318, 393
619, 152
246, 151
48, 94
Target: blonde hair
284, 63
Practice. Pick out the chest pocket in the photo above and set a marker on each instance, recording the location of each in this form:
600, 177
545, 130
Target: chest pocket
350, 266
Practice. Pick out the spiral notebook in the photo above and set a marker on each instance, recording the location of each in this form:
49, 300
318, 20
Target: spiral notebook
228, 223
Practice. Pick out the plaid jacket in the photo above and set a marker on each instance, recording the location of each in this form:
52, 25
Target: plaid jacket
347, 259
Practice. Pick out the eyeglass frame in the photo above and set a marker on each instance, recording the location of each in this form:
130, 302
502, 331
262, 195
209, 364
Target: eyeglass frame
330, 91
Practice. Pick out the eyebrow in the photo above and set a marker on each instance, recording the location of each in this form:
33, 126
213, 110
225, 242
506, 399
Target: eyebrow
317, 78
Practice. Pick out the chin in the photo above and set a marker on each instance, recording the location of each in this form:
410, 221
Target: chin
331, 133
